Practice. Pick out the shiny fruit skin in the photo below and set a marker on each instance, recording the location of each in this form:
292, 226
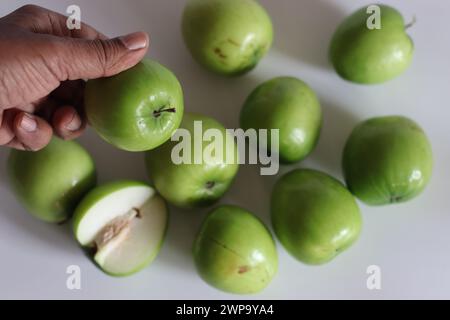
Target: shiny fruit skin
291, 106
370, 56
314, 216
50, 182
235, 252
387, 160
192, 185
228, 37
126, 109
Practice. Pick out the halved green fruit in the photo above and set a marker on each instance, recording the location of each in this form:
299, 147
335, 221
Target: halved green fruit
124, 223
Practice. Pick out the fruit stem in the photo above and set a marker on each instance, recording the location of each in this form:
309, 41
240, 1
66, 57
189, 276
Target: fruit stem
210, 185
412, 23
157, 113
138, 213
395, 199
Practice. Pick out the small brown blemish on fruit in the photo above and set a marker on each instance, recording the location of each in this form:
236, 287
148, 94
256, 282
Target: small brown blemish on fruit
219, 52
232, 42
243, 269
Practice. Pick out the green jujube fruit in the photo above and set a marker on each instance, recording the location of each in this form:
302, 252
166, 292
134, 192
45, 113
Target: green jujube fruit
368, 56
122, 226
189, 184
235, 252
387, 160
228, 37
138, 109
291, 106
314, 216
50, 182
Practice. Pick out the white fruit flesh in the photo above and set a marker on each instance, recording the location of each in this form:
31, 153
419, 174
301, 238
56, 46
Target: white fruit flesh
112, 236
140, 244
126, 228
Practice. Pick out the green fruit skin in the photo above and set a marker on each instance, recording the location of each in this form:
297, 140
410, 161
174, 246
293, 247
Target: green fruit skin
121, 108
228, 37
91, 199
235, 252
314, 216
186, 185
387, 160
373, 56
50, 182
287, 104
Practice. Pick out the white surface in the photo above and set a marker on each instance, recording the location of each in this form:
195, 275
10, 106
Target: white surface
410, 242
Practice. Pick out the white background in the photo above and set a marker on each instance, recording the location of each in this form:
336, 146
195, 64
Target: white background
410, 242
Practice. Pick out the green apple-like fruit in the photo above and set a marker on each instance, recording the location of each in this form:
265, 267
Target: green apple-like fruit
227, 36
138, 109
51, 182
314, 216
124, 224
235, 252
370, 55
387, 160
289, 105
194, 184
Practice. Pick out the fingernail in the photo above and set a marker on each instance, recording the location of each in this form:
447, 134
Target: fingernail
134, 41
75, 123
28, 123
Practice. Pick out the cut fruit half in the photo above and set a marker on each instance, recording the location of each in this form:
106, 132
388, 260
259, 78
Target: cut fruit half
124, 223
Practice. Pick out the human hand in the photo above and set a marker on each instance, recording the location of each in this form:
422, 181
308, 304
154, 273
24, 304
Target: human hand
42, 67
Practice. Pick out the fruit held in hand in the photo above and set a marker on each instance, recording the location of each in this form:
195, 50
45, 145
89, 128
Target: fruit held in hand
387, 160
138, 109
235, 252
51, 182
227, 36
189, 184
124, 224
368, 56
289, 105
314, 216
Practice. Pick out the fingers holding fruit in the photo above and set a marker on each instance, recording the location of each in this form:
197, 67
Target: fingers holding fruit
24, 131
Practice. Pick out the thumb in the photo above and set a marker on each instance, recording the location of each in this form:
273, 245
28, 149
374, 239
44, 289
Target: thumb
91, 59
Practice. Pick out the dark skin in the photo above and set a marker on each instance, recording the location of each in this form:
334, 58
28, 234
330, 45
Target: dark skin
43, 68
